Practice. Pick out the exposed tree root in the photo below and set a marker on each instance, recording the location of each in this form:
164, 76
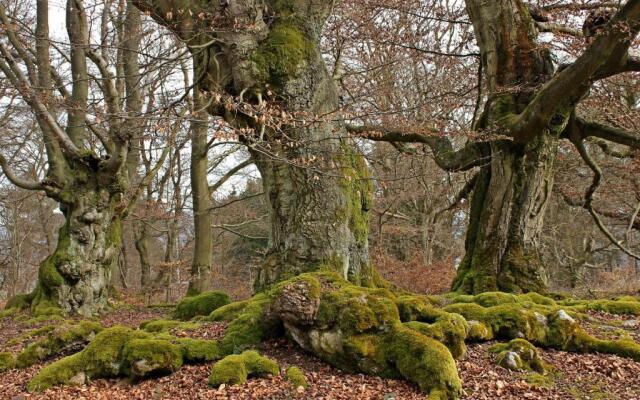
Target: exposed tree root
375, 331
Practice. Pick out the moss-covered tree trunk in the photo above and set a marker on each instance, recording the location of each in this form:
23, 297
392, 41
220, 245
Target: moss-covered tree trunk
506, 219
513, 188
316, 184
76, 276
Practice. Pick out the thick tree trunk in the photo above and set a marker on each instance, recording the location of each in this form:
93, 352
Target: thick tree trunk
512, 191
507, 211
316, 184
77, 275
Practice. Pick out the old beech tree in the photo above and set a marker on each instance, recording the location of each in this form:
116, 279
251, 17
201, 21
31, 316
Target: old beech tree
93, 159
247, 52
530, 107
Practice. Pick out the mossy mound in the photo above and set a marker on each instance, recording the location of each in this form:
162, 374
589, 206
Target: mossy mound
7, 361
360, 329
202, 304
236, 368
63, 338
121, 351
619, 307
519, 355
296, 377
199, 350
166, 325
143, 357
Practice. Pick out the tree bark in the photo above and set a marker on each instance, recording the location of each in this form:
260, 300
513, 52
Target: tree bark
316, 184
507, 211
77, 275
200, 280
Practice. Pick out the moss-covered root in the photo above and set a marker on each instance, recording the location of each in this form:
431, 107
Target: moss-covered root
62, 339
519, 355
121, 351
296, 377
425, 362
236, 368
202, 304
7, 361
143, 357
359, 329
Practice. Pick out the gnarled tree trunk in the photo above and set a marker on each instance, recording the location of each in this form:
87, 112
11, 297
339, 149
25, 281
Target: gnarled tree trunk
76, 276
316, 183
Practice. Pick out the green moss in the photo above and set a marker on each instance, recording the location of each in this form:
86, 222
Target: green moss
7, 361
449, 329
490, 299
537, 299
19, 302
60, 372
609, 306
166, 325
506, 321
296, 377
198, 350
416, 308
202, 304
357, 187
228, 312
278, 57
9, 312
144, 357
121, 351
250, 327
236, 368
519, 355
628, 298
424, 361
102, 358
478, 332
57, 340
540, 380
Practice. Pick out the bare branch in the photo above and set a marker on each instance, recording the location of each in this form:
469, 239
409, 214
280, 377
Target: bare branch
588, 202
15, 179
471, 155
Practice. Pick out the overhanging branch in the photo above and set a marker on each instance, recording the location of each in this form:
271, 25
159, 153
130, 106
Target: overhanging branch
470, 156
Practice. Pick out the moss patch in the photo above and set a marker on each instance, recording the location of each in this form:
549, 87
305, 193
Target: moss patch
296, 377
57, 340
519, 355
236, 368
199, 350
7, 361
202, 304
144, 357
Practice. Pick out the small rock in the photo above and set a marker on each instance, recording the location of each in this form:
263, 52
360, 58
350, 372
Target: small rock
562, 315
78, 379
511, 360
630, 323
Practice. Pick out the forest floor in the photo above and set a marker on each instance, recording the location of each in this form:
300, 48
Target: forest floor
576, 376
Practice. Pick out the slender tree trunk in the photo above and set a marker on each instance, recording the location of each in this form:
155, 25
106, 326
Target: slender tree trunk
200, 280
141, 240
